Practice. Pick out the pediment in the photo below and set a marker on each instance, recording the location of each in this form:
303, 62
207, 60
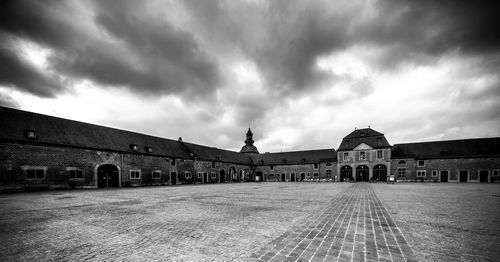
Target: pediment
363, 146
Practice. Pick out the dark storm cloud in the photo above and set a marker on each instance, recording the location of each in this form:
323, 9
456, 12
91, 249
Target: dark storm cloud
146, 54
284, 38
16, 72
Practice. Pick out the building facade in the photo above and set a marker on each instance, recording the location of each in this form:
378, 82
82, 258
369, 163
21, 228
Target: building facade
39, 151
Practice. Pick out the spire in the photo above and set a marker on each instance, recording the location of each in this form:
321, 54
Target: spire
249, 147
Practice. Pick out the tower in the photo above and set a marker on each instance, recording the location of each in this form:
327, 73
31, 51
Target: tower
249, 148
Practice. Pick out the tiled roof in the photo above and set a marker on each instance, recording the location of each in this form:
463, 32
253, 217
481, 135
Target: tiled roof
295, 157
59, 131
449, 149
365, 135
215, 154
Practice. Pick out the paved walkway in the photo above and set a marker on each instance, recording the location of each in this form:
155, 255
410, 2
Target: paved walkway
353, 226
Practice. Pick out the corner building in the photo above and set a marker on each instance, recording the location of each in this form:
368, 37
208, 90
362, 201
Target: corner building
44, 152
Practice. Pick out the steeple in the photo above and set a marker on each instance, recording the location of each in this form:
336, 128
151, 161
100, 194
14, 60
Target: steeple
249, 147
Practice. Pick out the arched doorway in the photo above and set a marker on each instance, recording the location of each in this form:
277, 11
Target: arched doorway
108, 176
380, 173
362, 173
222, 176
345, 173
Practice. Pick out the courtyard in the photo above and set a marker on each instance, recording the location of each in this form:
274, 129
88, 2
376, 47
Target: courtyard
255, 222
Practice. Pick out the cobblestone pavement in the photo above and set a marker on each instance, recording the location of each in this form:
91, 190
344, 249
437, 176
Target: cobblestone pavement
353, 226
220, 222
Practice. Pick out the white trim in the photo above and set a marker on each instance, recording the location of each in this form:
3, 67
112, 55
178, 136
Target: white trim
156, 171
26, 168
135, 171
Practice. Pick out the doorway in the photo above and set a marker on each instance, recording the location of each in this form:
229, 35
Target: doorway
107, 176
483, 176
292, 177
205, 178
222, 176
173, 176
380, 173
463, 176
345, 173
283, 177
302, 176
362, 173
444, 176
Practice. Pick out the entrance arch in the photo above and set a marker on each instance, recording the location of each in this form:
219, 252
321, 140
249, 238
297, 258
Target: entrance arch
362, 173
380, 173
345, 173
108, 176
222, 176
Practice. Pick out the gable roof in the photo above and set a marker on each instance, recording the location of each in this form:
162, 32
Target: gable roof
367, 136
64, 132
479, 147
296, 157
215, 154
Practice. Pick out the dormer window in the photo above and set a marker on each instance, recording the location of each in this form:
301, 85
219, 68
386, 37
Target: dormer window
30, 134
362, 134
379, 140
347, 142
272, 167
315, 166
134, 147
172, 162
284, 161
148, 149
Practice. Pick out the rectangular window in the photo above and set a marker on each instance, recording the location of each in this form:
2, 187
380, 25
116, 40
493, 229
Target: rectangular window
362, 155
496, 173
346, 156
213, 175
213, 164
135, 174
75, 173
308, 174
187, 174
272, 167
172, 162
271, 175
199, 175
35, 173
434, 173
401, 172
420, 173
156, 174
380, 154
421, 163
316, 166
316, 175
328, 173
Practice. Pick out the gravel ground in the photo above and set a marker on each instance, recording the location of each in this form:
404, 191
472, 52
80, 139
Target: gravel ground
446, 221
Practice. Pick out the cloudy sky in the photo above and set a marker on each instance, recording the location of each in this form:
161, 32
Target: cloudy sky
303, 74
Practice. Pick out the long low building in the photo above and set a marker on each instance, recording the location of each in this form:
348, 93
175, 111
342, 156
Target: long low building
39, 151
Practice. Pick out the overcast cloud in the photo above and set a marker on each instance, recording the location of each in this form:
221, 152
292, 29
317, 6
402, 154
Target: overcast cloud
303, 73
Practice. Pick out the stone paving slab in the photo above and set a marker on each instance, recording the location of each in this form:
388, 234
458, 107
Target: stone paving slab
353, 226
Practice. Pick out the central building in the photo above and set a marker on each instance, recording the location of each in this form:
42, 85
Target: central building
364, 155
